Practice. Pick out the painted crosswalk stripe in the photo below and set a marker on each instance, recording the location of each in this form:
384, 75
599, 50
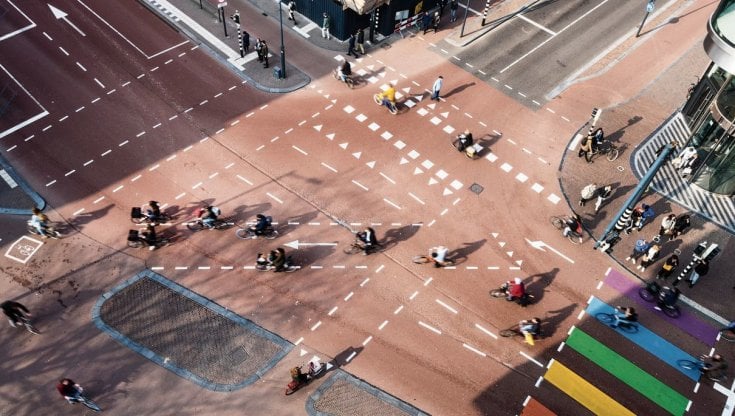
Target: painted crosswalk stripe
583, 392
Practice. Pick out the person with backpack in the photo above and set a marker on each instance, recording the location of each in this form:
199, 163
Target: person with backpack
650, 257
668, 267
588, 193
641, 248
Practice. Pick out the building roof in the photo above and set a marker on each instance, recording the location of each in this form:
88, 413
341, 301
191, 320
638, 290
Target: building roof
363, 6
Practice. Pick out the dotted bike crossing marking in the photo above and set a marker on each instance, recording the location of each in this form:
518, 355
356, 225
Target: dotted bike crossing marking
109, 93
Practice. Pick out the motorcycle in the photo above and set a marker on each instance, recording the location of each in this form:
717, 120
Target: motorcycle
316, 367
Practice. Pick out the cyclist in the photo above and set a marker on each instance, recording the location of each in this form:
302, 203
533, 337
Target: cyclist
573, 224
262, 222
149, 236
209, 215
530, 326
70, 390
277, 259
625, 315
39, 221
389, 96
667, 297
154, 211
598, 137
15, 312
367, 240
438, 255
516, 289
464, 140
713, 366
344, 71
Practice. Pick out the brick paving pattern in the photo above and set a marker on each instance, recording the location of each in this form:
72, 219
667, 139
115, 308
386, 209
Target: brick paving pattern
189, 335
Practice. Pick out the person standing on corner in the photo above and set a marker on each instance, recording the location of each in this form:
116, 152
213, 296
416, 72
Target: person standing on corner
361, 40
453, 11
325, 26
701, 269
588, 193
245, 41
264, 51
602, 195
259, 49
291, 10
351, 47
436, 88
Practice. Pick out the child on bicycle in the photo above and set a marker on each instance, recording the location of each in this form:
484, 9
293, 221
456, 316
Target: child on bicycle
69, 390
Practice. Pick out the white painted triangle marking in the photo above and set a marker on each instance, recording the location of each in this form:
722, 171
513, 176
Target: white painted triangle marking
334, 101
501, 244
432, 106
357, 155
318, 127
445, 114
371, 164
394, 82
343, 145
447, 192
303, 352
406, 90
433, 181
509, 253
418, 97
417, 171
330, 136
519, 262
370, 67
329, 366
495, 235
403, 161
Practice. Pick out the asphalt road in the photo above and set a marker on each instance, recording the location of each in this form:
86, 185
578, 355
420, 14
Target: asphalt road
154, 117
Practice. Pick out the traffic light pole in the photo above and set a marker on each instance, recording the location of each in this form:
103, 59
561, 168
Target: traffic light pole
236, 17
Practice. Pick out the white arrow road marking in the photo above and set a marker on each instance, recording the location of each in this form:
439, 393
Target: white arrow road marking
58, 14
540, 246
296, 244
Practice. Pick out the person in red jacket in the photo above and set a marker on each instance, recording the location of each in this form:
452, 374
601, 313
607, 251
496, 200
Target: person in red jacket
516, 289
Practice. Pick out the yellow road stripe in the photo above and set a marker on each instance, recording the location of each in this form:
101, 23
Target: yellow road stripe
585, 393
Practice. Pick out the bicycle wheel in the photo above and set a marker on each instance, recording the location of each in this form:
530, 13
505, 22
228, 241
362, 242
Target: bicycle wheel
671, 312
448, 263
244, 234
605, 318
646, 294
223, 225
507, 333
350, 82
270, 234
135, 244
421, 259
728, 335
687, 364
377, 99
393, 108
90, 404
575, 238
352, 249
557, 222
613, 153
195, 225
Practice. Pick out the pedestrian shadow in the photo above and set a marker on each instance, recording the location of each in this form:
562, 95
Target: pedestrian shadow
619, 133
459, 89
460, 255
304, 257
83, 219
396, 235
539, 282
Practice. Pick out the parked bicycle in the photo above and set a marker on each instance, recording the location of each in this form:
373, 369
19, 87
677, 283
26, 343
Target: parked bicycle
570, 227
711, 367
610, 320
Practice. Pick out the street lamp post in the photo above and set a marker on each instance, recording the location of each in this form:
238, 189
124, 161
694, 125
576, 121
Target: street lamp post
649, 8
283, 50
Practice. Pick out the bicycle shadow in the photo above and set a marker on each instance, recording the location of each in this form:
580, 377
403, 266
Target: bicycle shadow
460, 255
537, 286
554, 320
395, 235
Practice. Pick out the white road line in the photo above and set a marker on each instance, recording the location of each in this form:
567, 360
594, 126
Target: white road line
387, 178
299, 150
413, 295
316, 325
544, 28
398, 310
391, 203
416, 198
329, 167
367, 340
98, 200
475, 350
486, 331
449, 308
360, 185
270, 195
531, 359
51, 183
332, 311
349, 295
381, 326
430, 328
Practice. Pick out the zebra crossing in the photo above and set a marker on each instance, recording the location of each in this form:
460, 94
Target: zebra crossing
719, 209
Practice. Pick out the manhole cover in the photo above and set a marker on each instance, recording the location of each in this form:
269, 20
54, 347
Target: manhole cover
476, 188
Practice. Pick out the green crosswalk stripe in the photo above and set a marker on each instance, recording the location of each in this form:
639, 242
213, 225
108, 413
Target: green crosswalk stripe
627, 372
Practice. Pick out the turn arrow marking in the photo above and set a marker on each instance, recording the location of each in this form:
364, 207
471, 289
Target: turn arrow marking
296, 244
58, 14
539, 245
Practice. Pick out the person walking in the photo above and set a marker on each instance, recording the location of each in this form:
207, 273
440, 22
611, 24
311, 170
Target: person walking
245, 41
442, 5
291, 10
259, 49
641, 247
667, 225
436, 88
602, 195
585, 149
361, 40
264, 52
453, 10
588, 193
647, 214
668, 267
435, 22
351, 47
325, 26
700, 270
680, 225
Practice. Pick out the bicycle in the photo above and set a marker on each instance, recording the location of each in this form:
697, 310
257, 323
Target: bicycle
502, 292
609, 319
349, 80
561, 223
608, 149
423, 259
49, 230
358, 247
650, 293
728, 335
198, 224
138, 217
135, 240
247, 234
701, 366
392, 107
515, 331
26, 322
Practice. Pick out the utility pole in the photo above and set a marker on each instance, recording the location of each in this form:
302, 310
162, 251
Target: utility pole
649, 8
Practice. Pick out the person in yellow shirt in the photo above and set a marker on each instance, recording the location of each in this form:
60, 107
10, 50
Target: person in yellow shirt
389, 95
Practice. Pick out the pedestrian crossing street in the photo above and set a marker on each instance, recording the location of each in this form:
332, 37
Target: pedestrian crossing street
719, 209
575, 370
